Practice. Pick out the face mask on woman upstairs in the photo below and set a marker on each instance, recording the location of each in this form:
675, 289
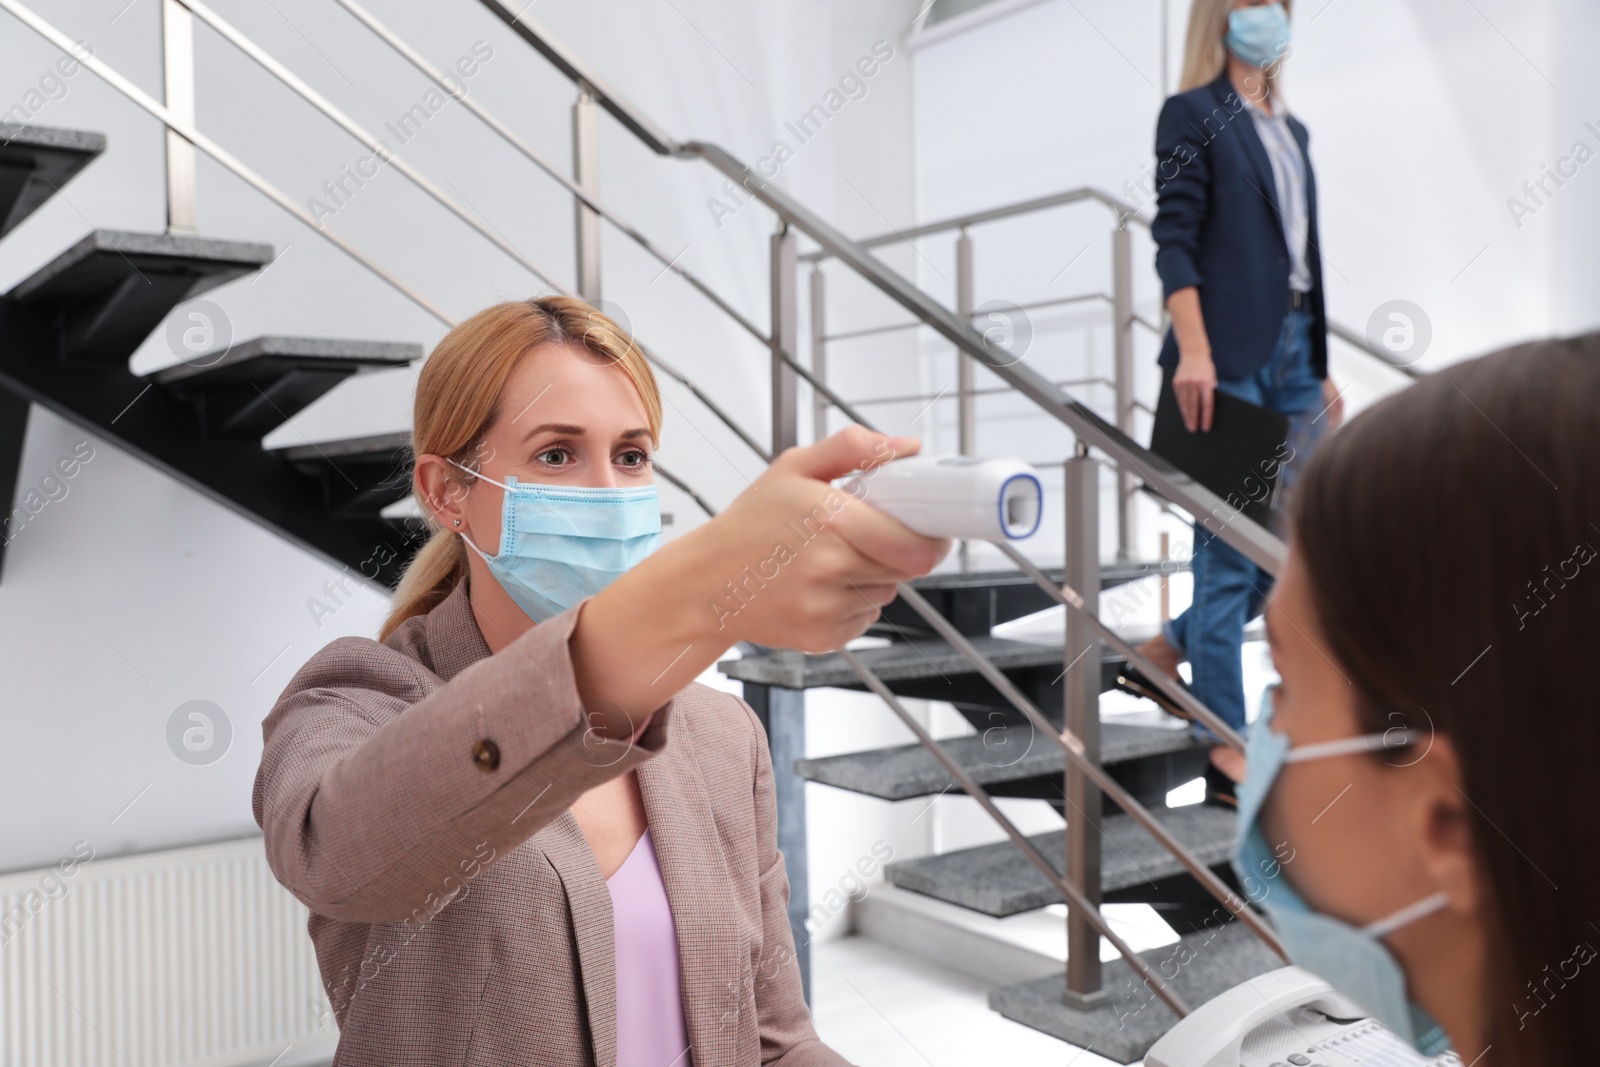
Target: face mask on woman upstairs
1353, 960
1258, 35
561, 543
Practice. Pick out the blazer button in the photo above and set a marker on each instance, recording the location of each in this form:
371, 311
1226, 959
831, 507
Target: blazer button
486, 754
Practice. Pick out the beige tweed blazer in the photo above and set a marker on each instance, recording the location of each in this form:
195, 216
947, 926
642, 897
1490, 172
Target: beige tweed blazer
414, 795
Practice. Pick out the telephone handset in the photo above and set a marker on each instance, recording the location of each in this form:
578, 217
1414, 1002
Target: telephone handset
1284, 1018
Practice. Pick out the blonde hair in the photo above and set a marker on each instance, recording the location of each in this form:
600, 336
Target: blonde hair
459, 394
1204, 55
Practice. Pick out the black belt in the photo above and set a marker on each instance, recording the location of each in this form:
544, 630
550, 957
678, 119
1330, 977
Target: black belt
1299, 300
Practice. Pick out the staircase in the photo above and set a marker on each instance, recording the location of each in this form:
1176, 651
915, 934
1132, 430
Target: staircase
1149, 758
72, 326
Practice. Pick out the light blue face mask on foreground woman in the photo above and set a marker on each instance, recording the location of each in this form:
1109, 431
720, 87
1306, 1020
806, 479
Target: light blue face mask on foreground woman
1351, 959
561, 543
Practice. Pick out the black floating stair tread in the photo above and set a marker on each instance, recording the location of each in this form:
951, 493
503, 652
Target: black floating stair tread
896, 662
248, 390
998, 880
907, 771
357, 477
35, 162
111, 290
271, 357
71, 275
975, 602
368, 446
1202, 965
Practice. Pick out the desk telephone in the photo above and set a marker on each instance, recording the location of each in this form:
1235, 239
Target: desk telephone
1285, 1018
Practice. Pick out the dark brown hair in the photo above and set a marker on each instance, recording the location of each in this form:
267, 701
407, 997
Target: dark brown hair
1450, 536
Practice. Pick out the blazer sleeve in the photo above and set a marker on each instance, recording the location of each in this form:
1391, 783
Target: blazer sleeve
378, 799
788, 1037
1183, 180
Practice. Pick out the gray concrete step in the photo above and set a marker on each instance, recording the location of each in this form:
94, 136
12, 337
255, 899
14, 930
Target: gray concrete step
997, 879
930, 661
1132, 1018
105, 294
991, 757
35, 162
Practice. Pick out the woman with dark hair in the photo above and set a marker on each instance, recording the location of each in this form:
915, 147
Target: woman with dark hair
1417, 804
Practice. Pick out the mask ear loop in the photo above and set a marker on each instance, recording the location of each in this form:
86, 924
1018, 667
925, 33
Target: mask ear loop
462, 533
480, 474
1347, 745
1407, 915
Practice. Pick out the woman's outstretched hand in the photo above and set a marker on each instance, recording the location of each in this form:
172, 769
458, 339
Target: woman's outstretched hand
793, 562
807, 565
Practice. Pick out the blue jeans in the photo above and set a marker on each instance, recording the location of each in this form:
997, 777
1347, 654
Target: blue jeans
1228, 588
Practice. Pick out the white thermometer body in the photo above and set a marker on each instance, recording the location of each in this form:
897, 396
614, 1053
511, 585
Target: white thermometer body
965, 497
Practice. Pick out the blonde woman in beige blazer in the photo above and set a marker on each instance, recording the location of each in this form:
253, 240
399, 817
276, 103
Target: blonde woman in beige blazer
451, 800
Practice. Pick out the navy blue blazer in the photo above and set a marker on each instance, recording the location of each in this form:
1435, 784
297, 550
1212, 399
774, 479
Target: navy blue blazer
1217, 227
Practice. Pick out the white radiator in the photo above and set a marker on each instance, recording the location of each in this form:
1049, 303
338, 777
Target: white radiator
192, 957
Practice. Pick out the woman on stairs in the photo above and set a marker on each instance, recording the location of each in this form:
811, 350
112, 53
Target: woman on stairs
524, 833
1241, 271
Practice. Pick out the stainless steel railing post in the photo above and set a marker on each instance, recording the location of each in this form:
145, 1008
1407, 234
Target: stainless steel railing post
785, 334
819, 351
586, 175
177, 77
966, 400
967, 421
1122, 334
1080, 695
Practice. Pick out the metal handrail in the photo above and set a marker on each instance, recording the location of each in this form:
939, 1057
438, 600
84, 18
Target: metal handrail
349, 125
263, 59
1355, 340
1123, 209
416, 59
192, 134
914, 324
1069, 892
1076, 752
582, 75
1126, 213
984, 391
1251, 539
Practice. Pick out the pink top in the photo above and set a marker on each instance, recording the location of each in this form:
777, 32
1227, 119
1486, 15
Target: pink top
650, 1027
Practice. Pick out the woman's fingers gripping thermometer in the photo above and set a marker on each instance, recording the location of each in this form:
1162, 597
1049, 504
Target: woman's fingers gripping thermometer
966, 497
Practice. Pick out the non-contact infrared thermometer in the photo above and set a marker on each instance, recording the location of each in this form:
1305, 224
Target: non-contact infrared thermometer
965, 497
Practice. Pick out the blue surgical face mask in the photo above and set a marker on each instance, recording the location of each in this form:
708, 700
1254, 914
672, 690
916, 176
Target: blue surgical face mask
561, 543
1258, 35
1352, 959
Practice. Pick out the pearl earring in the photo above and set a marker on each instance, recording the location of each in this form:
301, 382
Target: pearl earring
458, 522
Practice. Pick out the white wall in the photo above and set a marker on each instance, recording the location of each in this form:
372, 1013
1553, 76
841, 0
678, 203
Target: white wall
133, 595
